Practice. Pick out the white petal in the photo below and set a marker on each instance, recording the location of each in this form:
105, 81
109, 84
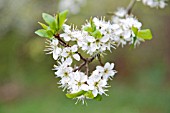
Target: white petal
85, 87
107, 65
95, 92
77, 57
102, 83
67, 38
55, 56
64, 54
55, 42
90, 39
69, 61
99, 68
74, 48
105, 39
112, 66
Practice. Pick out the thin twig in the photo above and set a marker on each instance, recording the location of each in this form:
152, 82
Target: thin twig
61, 41
86, 61
87, 68
100, 61
80, 66
130, 6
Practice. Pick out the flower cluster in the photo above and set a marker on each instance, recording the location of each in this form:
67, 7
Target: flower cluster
78, 81
125, 24
94, 38
155, 3
69, 45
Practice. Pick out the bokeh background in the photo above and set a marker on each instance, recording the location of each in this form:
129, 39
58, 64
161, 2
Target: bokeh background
27, 83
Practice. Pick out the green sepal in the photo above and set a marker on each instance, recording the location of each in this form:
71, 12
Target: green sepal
62, 18
49, 20
145, 34
43, 26
134, 40
74, 95
98, 97
89, 94
135, 30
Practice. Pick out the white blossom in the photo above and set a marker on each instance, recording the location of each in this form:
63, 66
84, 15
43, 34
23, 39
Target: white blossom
121, 12
63, 71
78, 82
106, 71
123, 33
155, 3
53, 48
97, 84
71, 52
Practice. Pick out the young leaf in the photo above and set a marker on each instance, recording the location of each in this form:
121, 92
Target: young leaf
97, 34
98, 97
74, 95
42, 33
145, 34
43, 26
49, 20
57, 22
88, 29
62, 18
50, 33
89, 94
93, 26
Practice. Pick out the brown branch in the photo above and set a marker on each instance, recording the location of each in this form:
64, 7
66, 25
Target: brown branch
61, 41
80, 66
86, 61
86, 64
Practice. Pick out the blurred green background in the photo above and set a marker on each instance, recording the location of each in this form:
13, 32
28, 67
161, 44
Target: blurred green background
27, 83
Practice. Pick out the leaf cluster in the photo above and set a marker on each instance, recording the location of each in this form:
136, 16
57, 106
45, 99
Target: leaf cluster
54, 24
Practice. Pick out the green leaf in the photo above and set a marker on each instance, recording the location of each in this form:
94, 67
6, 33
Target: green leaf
145, 34
93, 26
49, 20
50, 33
43, 26
42, 33
135, 30
62, 18
74, 95
97, 34
89, 94
88, 29
57, 22
98, 97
